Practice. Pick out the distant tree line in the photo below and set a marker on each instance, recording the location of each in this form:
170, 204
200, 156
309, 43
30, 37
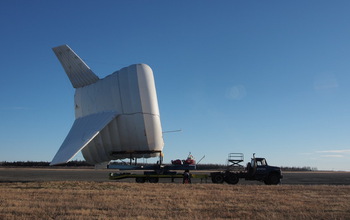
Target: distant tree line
222, 167
299, 168
79, 163
211, 167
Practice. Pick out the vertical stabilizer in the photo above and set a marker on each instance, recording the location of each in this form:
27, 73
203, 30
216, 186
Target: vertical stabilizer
78, 72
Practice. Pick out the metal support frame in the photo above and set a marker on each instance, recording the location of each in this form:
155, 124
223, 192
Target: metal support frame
234, 160
131, 153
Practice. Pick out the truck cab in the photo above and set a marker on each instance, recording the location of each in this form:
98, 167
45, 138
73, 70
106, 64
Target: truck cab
258, 169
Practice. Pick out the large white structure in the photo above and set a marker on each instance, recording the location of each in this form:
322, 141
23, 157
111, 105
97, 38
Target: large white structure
116, 117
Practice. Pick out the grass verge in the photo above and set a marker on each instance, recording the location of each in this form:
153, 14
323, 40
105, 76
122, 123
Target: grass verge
115, 200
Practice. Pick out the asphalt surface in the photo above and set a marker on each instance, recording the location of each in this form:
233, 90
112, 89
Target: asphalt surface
102, 175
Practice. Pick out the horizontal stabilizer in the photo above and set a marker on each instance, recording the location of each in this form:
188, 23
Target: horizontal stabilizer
82, 132
78, 72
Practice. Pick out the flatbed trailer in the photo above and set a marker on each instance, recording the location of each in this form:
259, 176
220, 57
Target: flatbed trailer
153, 173
154, 178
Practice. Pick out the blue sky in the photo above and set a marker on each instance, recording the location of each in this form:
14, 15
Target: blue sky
264, 77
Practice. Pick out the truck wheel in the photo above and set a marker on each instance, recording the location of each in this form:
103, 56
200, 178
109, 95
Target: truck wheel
153, 179
232, 178
273, 179
140, 179
217, 178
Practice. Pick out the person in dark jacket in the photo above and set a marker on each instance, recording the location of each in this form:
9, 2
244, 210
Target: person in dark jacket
187, 177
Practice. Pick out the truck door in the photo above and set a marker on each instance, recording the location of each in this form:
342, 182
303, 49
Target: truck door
261, 167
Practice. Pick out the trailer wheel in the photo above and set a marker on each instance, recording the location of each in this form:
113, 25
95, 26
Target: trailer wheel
217, 178
231, 178
140, 179
153, 179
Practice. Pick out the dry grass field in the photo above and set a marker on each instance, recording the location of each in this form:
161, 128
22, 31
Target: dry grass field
118, 200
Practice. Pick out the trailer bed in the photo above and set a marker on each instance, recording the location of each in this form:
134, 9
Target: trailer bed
154, 178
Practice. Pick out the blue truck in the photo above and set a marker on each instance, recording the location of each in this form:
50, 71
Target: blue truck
257, 169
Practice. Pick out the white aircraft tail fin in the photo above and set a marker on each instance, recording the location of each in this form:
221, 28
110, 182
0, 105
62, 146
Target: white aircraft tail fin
78, 72
82, 132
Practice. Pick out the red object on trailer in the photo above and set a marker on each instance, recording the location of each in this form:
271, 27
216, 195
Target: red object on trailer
190, 160
176, 162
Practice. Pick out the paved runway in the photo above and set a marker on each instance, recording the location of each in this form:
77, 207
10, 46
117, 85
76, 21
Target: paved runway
70, 174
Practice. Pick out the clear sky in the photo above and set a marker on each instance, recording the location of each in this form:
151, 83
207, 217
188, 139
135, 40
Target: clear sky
264, 77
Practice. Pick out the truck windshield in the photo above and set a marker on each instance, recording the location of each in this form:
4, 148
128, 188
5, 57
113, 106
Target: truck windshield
261, 162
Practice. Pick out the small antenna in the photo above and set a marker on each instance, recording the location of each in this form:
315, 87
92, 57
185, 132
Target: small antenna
200, 159
172, 131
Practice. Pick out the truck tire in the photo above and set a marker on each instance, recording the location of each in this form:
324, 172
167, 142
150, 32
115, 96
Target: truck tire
231, 178
217, 178
140, 179
153, 179
273, 179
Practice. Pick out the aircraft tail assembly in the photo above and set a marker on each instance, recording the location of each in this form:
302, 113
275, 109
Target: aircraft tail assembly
116, 117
